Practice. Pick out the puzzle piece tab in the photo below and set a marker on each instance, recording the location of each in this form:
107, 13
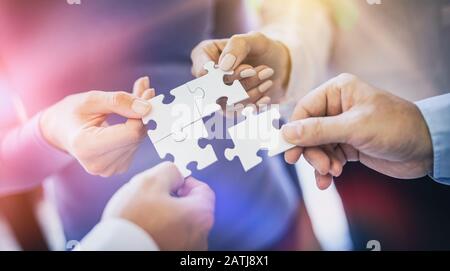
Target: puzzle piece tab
255, 133
183, 145
211, 88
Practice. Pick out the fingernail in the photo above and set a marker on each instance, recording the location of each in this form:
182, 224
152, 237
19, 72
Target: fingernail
291, 132
266, 73
148, 94
263, 101
146, 82
265, 86
248, 73
227, 62
141, 107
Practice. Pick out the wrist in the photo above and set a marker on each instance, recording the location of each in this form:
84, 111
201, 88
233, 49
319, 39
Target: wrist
286, 65
435, 114
425, 139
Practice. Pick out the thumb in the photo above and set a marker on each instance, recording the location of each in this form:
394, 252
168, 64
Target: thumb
119, 102
317, 131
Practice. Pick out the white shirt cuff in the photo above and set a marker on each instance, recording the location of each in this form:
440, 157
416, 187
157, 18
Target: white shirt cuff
115, 235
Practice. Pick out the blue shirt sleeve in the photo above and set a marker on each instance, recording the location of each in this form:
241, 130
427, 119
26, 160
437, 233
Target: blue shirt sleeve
436, 112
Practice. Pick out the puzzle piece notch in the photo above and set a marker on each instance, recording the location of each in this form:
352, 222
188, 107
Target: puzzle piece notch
246, 152
267, 137
187, 150
211, 88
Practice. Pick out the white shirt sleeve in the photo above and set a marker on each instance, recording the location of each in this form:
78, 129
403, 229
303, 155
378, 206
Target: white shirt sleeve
306, 28
115, 235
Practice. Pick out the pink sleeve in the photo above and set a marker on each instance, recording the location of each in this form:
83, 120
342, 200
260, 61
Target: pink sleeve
26, 158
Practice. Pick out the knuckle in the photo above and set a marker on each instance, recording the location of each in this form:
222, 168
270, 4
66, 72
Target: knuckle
321, 169
317, 128
345, 78
238, 41
91, 96
258, 35
91, 93
204, 44
84, 100
146, 181
119, 98
246, 83
168, 166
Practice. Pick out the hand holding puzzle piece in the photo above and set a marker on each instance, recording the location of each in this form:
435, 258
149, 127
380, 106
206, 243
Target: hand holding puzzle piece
179, 124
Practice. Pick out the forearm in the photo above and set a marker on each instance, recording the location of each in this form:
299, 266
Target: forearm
26, 159
436, 112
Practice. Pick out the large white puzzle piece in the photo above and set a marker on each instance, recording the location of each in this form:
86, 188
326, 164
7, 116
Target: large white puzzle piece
211, 88
256, 133
183, 145
193, 101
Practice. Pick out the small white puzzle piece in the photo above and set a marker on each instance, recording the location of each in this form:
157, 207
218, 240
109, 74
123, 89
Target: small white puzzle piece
211, 88
183, 145
256, 133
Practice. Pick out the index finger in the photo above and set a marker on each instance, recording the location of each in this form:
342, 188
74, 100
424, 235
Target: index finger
324, 100
204, 52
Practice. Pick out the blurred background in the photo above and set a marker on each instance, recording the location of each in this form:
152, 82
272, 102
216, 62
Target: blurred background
362, 205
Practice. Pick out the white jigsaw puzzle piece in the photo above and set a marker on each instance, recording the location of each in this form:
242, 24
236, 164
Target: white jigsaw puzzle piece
211, 88
255, 133
277, 144
246, 150
246, 145
185, 149
172, 117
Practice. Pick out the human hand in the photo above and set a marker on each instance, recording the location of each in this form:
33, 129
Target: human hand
348, 120
77, 124
254, 58
177, 214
